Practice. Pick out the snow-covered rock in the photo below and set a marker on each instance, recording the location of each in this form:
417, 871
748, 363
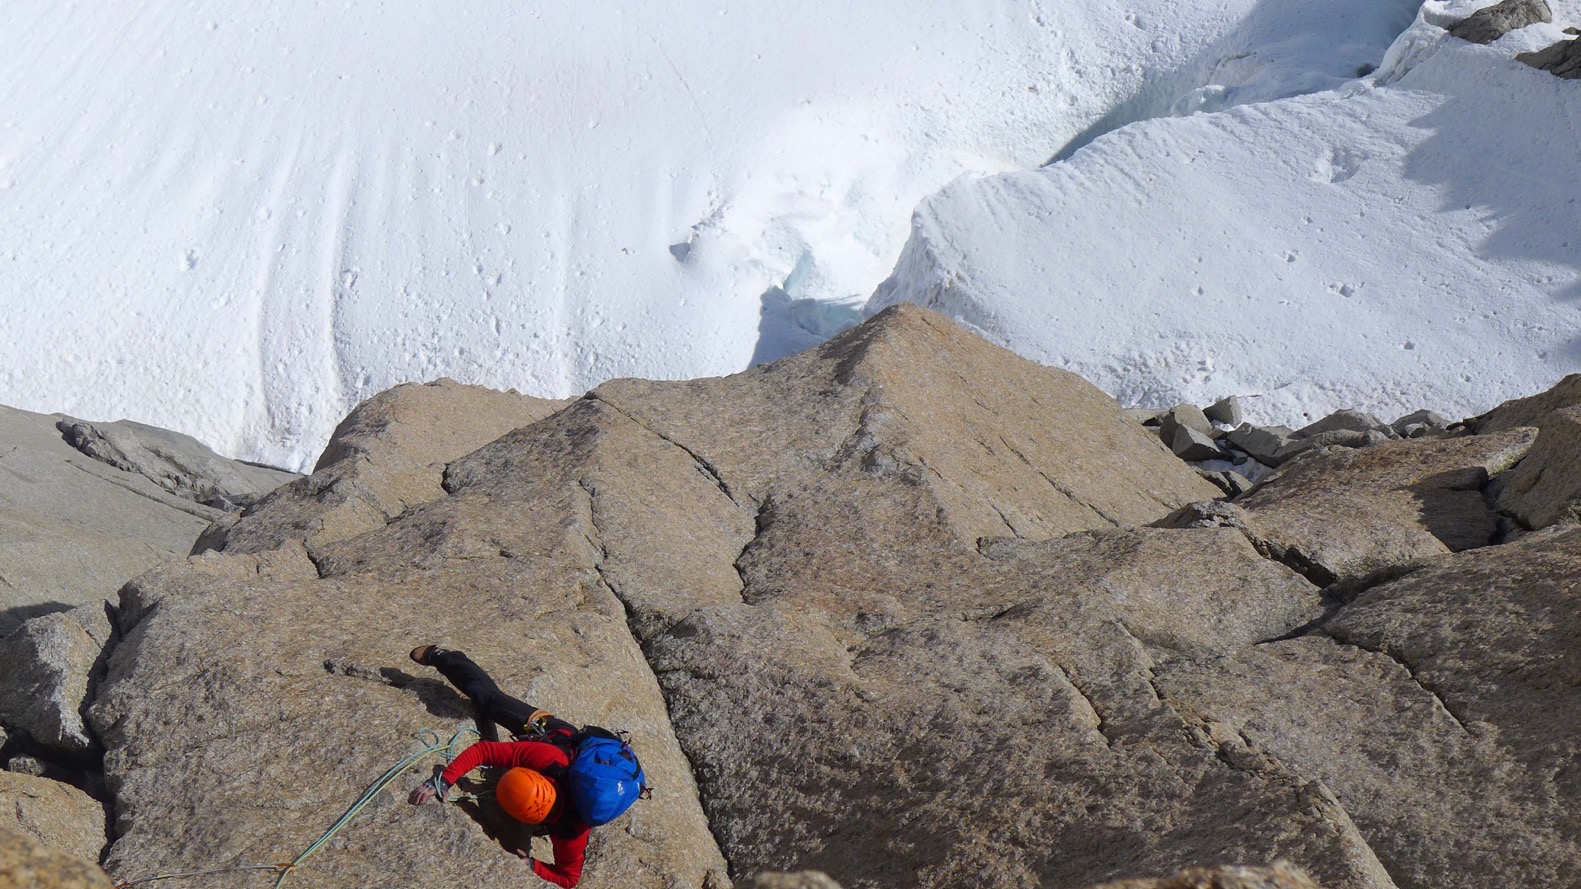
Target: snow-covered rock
1380, 246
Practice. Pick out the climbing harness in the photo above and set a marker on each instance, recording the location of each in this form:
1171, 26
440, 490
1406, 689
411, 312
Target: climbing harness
431, 744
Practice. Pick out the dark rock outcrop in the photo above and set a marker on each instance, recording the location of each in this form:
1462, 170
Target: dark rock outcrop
1492, 22
1562, 59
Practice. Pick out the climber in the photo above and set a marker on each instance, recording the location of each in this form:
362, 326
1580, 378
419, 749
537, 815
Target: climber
565, 779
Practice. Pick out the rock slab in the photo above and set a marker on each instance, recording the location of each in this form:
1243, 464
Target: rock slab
27, 864
57, 816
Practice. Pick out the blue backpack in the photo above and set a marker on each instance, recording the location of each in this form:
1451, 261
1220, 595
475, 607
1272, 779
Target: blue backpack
605, 776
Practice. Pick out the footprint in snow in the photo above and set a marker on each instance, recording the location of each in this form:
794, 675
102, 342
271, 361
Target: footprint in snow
1339, 164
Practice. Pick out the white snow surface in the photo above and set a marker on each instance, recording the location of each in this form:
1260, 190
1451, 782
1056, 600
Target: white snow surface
239, 220
1404, 241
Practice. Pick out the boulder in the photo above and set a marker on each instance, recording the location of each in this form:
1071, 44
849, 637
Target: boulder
1352, 516
1492, 22
1225, 410
1147, 416
1419, 423
1280, 875
178, 463
1545, 488
1187, 416
58, 816
73, 529
1345, 421
46, 668
1262, 443
27, 864
1332, 438
1533, 410
1190, 444
1563, 59
387, 456
1441, 710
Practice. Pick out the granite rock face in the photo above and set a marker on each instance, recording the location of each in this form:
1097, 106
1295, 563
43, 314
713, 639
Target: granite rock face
177, 463
1545, 489
1440, 709
74, 528
46, 668
27, 864
1352, 516
903, 610
387, 456
1279, 876
58, 816
1534, 410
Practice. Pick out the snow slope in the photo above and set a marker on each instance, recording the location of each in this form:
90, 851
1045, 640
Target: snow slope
238, 220
1405, 241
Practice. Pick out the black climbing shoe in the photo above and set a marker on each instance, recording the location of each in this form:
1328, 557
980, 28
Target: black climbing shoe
424, 654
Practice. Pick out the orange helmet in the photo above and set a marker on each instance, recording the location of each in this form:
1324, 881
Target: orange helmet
525, 795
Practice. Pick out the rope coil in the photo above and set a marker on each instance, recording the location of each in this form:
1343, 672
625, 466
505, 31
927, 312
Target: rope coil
431, 744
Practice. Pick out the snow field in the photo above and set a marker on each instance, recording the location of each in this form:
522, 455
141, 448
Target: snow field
237, 221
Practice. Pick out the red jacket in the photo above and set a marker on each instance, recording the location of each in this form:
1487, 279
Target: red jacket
568, 833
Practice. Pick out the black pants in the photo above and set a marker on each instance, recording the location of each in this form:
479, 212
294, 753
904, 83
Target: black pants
515, 716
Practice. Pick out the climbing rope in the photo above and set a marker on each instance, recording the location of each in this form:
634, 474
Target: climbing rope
431, 744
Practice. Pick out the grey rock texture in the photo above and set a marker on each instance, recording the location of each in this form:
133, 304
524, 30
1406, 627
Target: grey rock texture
1354, 516
1280, 875
58, 816
1563, 59
1440, 709
1492, 22
1180, 416
1225, 410
1331, 438
387, 456
1533, 410
46, 668
1190, 444
1419, 423
1345, 421
27, 864
177, 463
1262, 443
72, 528
1545, 488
